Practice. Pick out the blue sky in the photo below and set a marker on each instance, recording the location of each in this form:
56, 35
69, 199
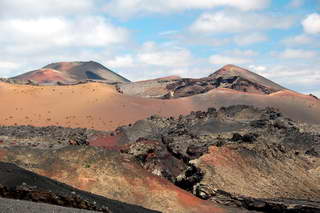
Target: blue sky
141, 39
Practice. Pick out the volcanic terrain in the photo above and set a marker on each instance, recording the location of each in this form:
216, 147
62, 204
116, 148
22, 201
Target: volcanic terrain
21, 184
229, 76
239, 158
78, 136
71, 72
102, 106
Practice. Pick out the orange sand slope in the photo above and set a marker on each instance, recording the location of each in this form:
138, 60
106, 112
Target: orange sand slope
111, 175
100, 106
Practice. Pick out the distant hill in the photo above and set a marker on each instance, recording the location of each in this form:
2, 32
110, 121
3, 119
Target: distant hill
229, 76
71, 72
106, 107
244, 80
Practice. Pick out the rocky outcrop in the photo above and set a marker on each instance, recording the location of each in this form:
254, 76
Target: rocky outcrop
260, 205
256, 158
17, 81
45, 137
229, 76
238, 156
315, 97
188, 87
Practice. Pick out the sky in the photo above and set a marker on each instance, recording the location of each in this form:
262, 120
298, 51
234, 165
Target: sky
144, 39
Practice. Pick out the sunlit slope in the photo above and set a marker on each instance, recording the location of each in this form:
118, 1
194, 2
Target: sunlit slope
100, 106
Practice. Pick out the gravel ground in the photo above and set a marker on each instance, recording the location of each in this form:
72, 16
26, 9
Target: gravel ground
19, 206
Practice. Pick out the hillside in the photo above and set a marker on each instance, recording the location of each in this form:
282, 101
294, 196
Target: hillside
100, 106
71, 72
236, 159
229, 76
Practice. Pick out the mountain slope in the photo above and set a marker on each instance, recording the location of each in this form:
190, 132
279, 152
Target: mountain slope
100, 106
110, 174
45, 75
250, 79
229, 76
18, 183
71, 72
238, 155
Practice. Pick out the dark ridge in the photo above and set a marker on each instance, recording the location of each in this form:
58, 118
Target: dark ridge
230, 77
315, 97
18, 183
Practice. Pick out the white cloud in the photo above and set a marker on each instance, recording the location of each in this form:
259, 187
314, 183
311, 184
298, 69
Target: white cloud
223, 60
218, 22
8, 65
163, 54
34, 33
300, 77
315, 92
126, 8
258, 69
166, 58
31, 60
250, 38
152, 60
238, 52
186, 38
233, 56
50, 31
18, 8
299, 40
31, 43
233, 22
124, 61
298, 54
311, 23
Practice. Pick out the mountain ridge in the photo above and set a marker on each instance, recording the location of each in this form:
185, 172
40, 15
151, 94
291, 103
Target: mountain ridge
229, 76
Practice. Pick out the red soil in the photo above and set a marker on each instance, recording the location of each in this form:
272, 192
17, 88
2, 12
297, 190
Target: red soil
45, 76
222, 157
107, 142
112, 175
101, 107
